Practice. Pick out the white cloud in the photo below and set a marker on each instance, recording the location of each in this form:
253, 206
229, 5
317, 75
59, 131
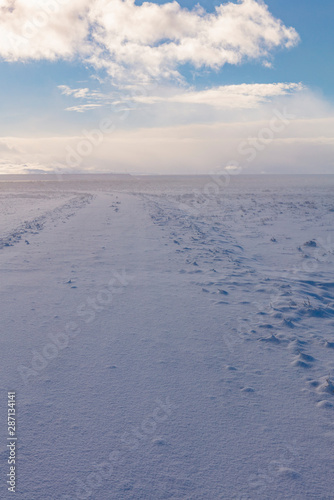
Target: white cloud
77, 93
141, 42
90, 99
154, 39
81, 108
33, 30
228, 96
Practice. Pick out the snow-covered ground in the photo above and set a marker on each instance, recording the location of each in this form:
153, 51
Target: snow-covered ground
168, 337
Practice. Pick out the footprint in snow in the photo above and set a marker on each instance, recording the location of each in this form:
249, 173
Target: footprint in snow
247, 389
272, 339
313, 383
296, 345
297, 363
306, 357
288, 473
303, 361
159, 442
311, 243
326, 386
325, 404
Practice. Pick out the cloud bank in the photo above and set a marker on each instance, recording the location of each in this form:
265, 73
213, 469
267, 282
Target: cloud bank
134, 42
278, 142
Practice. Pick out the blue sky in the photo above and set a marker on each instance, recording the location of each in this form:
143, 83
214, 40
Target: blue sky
39, 78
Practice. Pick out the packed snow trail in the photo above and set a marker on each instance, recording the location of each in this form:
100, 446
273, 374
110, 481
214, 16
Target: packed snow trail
127, 384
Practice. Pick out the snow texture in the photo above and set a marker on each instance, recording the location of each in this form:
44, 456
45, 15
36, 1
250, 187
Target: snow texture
168, 339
